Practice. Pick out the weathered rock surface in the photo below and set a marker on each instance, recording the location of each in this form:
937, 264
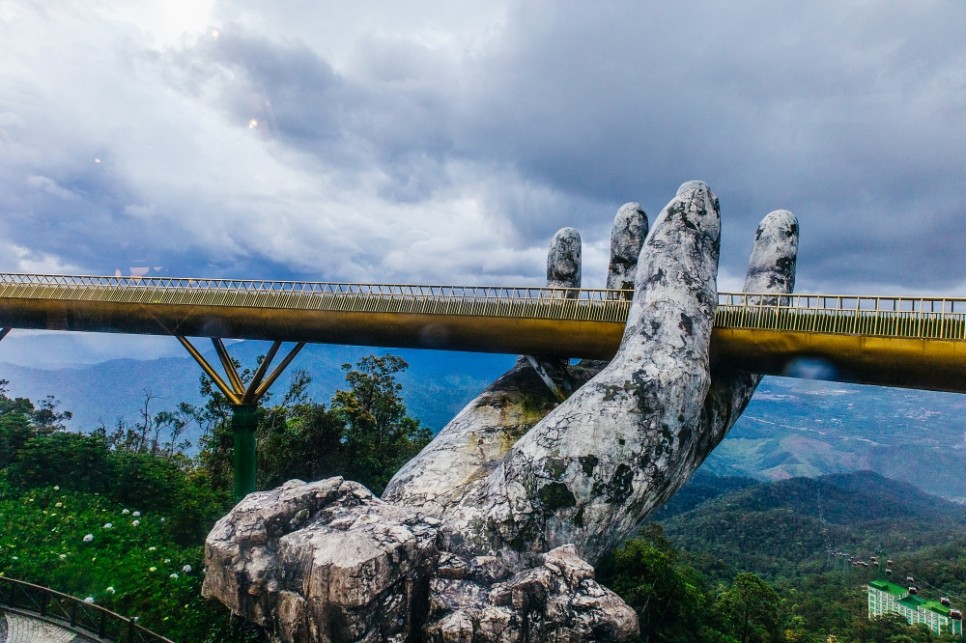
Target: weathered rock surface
476, 601
564, 261
583, 474
626, 239
616, 449
325, 561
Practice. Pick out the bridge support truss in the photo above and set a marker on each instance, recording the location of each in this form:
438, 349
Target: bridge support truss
244, 398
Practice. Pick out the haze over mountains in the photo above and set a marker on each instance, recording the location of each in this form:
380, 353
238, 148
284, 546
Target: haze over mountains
792, 427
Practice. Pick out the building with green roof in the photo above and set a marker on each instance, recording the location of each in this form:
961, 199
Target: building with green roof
889, 598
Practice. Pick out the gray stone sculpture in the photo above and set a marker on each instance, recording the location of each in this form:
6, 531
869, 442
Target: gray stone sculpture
626, 239
490, 532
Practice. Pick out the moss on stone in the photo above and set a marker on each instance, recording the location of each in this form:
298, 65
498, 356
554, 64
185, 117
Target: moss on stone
557, 495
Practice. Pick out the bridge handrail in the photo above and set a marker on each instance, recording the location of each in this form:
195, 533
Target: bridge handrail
904, 316
302, 287
502, 301
883, 316
862, 303
73, 613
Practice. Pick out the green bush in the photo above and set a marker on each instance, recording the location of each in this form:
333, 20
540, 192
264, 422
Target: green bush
72, 460
125, 558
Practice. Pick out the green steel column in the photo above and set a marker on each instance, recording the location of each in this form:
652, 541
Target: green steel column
244, 421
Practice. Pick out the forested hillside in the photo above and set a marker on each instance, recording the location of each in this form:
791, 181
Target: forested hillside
792, 427
811, 541
798, 525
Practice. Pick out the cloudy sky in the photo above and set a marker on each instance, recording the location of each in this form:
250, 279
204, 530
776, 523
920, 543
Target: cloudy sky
417, 141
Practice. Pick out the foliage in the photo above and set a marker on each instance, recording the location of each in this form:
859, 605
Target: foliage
365, 435
674, 602
379, 436
125, 558
86, 463
788, 534
752, 610
304, 441
798, 524
80, 461
20, 420
119, 516
145, 436
57, 488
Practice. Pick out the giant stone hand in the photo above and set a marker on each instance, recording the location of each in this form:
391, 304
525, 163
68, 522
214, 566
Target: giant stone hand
520, 486
589, 471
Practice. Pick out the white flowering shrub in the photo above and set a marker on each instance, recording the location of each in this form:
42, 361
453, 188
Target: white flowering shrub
79, 544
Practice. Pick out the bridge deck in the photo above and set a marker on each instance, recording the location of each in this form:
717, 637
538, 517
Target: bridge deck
918, 342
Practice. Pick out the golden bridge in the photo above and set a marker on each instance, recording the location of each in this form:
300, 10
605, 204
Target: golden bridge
917, 342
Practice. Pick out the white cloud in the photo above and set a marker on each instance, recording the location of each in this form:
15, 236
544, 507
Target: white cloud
50, 186
20, 259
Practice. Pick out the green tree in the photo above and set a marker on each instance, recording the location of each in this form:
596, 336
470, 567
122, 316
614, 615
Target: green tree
670, 598
145, 436
752, 608
304, 442
21, 420
216, 442
379, 434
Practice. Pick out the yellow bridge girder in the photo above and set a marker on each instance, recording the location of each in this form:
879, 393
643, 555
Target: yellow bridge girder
899, 341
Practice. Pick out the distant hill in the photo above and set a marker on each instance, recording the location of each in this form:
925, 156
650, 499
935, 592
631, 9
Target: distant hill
791, 428
701, 488
436, 385
795, 427
801, 526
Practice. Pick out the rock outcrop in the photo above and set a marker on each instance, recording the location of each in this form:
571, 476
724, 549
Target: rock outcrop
476, 601
325, 561
328, 561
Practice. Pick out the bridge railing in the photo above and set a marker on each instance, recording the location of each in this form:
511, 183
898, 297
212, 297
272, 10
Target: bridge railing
910, 317
915, 317
544, 303
73, 613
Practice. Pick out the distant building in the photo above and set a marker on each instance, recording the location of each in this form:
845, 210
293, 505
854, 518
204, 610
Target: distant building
889, 598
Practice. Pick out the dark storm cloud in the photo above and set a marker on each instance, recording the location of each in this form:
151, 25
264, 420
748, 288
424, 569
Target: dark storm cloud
398, 150
285, 86
848, 116
845, 114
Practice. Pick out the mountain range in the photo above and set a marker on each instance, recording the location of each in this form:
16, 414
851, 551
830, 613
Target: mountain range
791, 428
832, 524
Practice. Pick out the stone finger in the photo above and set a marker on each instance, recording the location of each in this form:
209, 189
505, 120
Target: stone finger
626, 239
564, 259
771, 269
